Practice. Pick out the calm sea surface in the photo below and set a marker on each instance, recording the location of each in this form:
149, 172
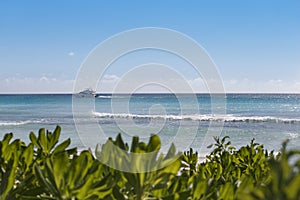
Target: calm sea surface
269, 118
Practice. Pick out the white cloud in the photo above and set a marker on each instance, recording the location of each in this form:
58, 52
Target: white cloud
44, 78
110, 78
46, 84
71, 53
42, 84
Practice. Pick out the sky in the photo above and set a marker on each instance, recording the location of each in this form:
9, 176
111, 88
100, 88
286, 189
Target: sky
254, 44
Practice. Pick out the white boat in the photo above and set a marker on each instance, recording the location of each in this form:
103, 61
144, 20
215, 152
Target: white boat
87, 93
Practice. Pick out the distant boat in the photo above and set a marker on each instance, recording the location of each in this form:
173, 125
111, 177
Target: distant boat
87, 93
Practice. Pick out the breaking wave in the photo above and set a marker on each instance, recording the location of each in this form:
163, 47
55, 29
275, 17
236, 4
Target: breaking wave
18, 123
199, 117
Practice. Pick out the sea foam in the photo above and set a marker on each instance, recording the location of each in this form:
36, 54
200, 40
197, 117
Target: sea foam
18, 123
200, 117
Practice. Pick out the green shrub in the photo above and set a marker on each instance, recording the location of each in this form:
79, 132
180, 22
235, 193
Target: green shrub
47, 169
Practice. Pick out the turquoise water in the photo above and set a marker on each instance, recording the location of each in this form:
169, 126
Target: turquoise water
269, 118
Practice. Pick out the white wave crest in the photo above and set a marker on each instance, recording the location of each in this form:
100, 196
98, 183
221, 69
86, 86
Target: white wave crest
199, 117
293, 135
18, 123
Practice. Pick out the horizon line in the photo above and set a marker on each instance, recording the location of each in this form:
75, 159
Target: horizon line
125, 93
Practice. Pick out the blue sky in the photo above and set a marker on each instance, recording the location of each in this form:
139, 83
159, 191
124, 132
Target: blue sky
255, 44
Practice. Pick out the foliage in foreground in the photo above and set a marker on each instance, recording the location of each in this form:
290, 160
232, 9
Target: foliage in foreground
47, 169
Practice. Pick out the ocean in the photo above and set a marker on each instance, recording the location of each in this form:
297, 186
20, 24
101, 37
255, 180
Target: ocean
269, 118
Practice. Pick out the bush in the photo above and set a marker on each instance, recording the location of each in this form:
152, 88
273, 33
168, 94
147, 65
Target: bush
47, 169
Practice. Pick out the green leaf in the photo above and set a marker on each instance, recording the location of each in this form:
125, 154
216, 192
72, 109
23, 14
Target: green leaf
154, 144
55, 136
226, 192
34, 140
134, 144
8, 177
62, 147
120, 143
42, 140
27, 155
6, 139
292, 189
60, 167
171, 153
199, 189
